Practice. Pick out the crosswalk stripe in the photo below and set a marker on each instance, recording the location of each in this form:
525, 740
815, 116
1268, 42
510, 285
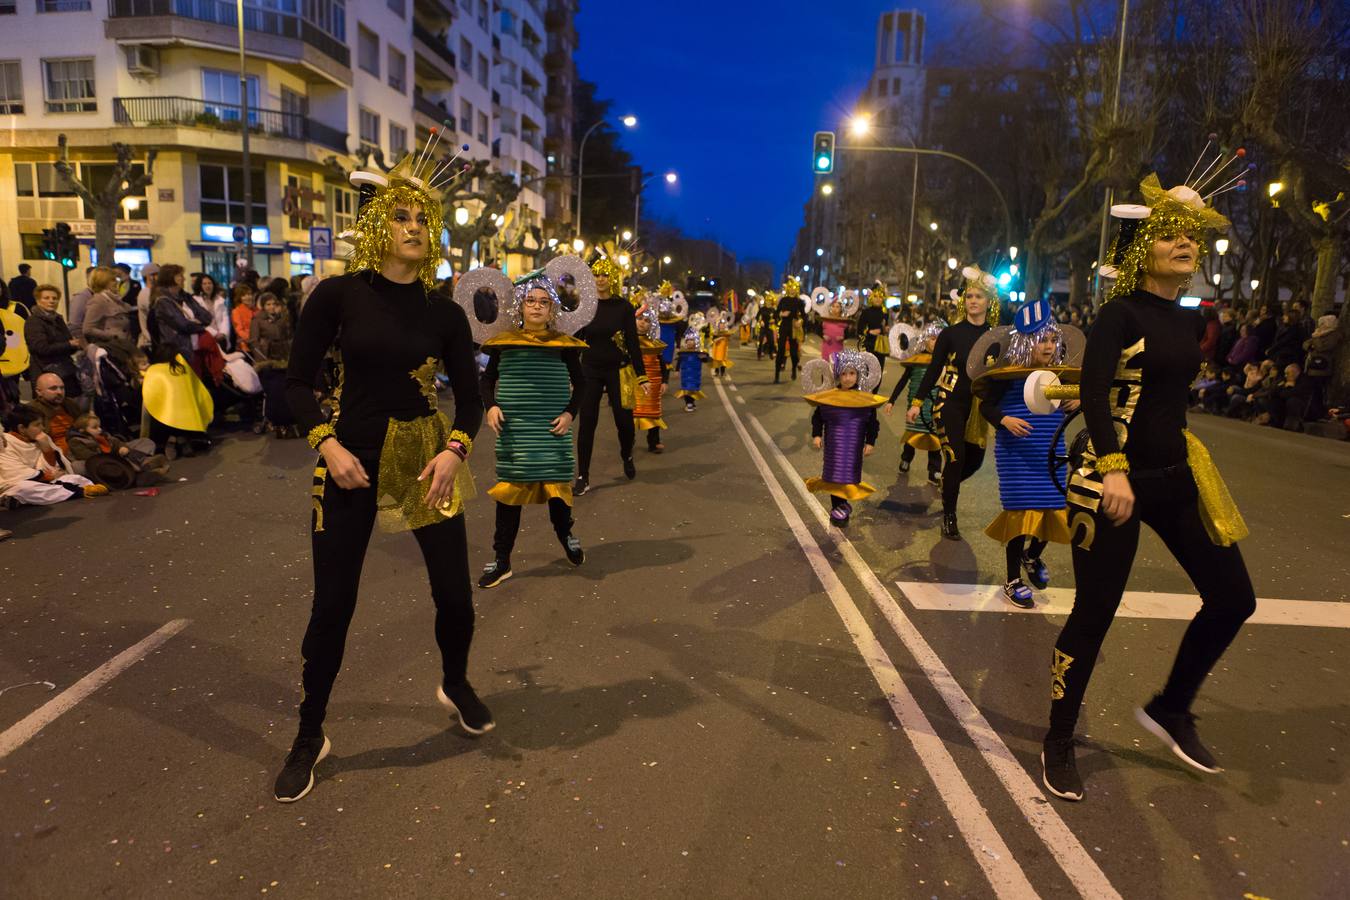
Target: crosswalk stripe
1135, 604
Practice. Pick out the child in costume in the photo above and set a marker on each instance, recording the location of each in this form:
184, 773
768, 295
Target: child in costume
767, 319
647, 406
833, 325
719, 329
689, 361
530, 389
843, 425
915, 352
672, 313
1033, 503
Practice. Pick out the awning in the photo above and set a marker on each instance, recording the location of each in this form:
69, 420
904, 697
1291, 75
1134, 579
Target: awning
210, 247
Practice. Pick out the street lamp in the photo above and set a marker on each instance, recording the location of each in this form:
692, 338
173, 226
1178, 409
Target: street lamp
860, 125
952, 263
1256, 283
827, 189
918, 273
1013, 268
628, 122
932, 226
665, 261
671, 178
552, 242
820, 251
1274, 188
1221, 246
627, 235
578, 245
461, 216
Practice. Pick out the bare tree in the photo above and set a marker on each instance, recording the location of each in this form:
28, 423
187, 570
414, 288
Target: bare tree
494, 190
104, 202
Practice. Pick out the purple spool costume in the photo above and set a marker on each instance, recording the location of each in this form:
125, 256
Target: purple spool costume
846, 420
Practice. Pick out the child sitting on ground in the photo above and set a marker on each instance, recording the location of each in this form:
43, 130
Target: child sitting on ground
111, 462
33, 470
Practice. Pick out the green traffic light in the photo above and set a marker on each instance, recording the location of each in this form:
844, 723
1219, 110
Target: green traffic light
822, 161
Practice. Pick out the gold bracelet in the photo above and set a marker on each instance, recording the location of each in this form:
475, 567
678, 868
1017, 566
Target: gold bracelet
462, 438
916, 403
1112, 462
320, 433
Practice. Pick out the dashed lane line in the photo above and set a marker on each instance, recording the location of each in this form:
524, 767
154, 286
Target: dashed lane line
26, 728
1081, 869
986, 844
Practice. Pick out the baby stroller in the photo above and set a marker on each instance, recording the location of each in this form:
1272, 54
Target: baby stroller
117, 401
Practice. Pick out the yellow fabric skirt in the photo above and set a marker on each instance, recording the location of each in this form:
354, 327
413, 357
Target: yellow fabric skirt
1043, 524
977, 427
178, 399
858, 491
693, 395
643, 423
513, 494
408, 447
922, 441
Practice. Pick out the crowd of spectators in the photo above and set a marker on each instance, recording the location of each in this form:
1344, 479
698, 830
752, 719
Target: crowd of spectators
90, 424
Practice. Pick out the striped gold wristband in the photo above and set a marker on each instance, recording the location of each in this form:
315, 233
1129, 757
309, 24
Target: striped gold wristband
320, 433
1112, 462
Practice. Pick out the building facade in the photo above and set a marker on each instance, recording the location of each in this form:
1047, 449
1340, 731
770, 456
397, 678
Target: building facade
559, 109
330, 83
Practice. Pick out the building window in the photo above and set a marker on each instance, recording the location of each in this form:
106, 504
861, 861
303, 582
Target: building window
220, 90
11, 88
398, 6
881, 87
483, 14
46, 6
342, 204
330, 16
398, 70
368, 50
483, 127
70, 85
9, 8
482, 70
296, 109
398, 141
370, 129
222, 191
895, 87
466, 117
465, 55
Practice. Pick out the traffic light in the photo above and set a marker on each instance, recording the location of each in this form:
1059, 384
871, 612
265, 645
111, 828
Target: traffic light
67, 246
49, 248
822, 161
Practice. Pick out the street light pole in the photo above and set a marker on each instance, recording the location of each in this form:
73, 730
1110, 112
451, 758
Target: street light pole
1106, 206
628, 121
243, 130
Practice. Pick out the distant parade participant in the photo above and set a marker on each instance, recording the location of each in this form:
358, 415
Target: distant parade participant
872, 328
959, 424
388, 453
844, 426
833, 327
920, 434
611, 345
1032, 498
530, 390
647, 410
767, 323
689, 362
1144, 466
674, 315
788, 323
719, 331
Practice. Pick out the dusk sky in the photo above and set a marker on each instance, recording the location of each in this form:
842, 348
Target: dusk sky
728, 94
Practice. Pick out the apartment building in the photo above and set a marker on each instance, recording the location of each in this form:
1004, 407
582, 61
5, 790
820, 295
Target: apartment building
560, 111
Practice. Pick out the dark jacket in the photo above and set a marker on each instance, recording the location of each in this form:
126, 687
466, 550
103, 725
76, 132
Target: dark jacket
48, 338
173, 328
1288, 345
269, 341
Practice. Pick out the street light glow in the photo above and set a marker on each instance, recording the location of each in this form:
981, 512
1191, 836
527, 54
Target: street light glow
1218, 278
623, 260
1012, 253
578, 245
1013, 268
952, 263
671, 178
860, 125
630, 121
665, 260
627, 235
1221, 246
918, 273
1274, 188
806, 268
461, 216
552, 242
820, 251
1256, 283
932, 226
827, 189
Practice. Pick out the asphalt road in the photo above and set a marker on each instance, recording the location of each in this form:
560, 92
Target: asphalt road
724, 701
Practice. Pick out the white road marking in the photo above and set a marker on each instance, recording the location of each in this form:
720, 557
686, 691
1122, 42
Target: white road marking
734, 388
1135, 605
740, 399
1072, 857
26, 728
983, 839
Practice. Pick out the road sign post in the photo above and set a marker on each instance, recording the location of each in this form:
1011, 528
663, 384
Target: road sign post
321, 243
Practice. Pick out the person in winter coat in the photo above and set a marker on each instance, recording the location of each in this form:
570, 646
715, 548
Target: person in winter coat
178, 317
50, 343
1321, 349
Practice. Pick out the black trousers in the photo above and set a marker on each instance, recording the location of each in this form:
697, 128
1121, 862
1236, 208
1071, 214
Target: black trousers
594, 383
1019, 548
653, 438
787, 343
339, 551
765, 344
963, 459
934, 457
1101, 566
508, 525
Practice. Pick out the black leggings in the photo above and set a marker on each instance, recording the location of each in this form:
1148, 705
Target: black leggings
766, 344
1018, 549
1101, 566
787, 343
594, 382
963, 459
508, 525
339, 551
934, 457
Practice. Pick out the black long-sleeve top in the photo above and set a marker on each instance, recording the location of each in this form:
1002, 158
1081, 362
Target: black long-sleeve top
991, 404
900, 385
613, 315
491, 375
870, 318
869, 437
953, 347
388, 332
792, 306
1169, 361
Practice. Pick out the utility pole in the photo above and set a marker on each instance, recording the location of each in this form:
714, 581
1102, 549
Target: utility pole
243, 130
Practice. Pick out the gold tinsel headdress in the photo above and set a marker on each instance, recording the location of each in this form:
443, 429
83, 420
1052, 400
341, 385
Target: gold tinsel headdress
792, 286
608, 268
417, 181
982, 281
1164, 215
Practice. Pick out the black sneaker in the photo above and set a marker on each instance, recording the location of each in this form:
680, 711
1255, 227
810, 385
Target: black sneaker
949, 529
1177, 731
494, 573
629, 469
297, 773
1037, 573
1018, 594
935, 477
582, 486
1059, 770
904, 466
572, 547
463, 703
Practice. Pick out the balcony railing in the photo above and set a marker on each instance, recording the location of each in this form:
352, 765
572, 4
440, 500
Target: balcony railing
157, 111
437, 44
223, 12
433, 110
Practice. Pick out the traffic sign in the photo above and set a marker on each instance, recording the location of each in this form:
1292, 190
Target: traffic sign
321, 243
240, 235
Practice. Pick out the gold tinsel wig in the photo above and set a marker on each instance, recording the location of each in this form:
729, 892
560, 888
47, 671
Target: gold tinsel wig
1165, 215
